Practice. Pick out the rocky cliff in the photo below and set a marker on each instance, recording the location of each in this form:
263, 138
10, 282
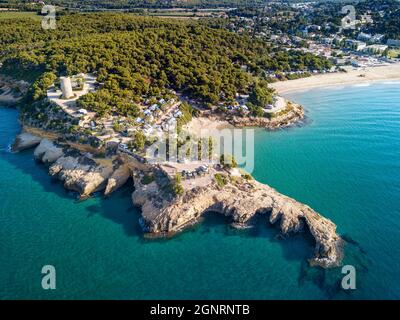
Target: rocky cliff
118, 178
236, 196
81, 174
47, 152
240, 200
78, 171
11, 90
294, 114
25, 141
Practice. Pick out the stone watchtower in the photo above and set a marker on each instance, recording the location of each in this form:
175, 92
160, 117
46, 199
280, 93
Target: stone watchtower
66, 88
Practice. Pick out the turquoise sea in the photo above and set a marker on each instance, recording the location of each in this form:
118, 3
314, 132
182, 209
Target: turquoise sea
344, 162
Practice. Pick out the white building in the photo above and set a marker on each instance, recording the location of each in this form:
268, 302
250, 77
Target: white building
178, 114
153, 107
376, 48
358, 64
355, 44
378, 38
364, 37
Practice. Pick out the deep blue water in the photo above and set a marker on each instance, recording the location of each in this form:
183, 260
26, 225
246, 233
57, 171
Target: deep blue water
345, 163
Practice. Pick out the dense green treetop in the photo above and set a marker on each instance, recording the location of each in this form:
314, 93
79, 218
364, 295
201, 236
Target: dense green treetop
138, 57
129, 4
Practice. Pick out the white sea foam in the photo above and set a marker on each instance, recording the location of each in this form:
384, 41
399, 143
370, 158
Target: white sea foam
391, 82
367, 84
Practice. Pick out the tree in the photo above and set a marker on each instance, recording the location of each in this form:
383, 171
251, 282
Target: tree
228, 161
177, 187
39, 88
261, 95
139, 57
139, 140
256, 111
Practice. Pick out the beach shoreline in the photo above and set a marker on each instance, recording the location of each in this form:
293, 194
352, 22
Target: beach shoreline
352, 77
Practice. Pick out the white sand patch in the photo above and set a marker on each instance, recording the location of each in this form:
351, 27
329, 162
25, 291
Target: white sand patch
352, 77
200, 125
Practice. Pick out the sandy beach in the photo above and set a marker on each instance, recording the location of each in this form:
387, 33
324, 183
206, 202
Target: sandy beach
200, 125
369, 74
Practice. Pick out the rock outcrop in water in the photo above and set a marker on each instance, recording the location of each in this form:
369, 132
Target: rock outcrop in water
240, 200
287, 119
47, 152
78, 172
81, 174
239, 197
25, 141
11, 90
119, 177
294, 114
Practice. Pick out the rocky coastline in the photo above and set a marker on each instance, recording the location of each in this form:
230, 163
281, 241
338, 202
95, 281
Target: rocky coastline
294, 114
11, 90
290, 117
240, 198
86, 169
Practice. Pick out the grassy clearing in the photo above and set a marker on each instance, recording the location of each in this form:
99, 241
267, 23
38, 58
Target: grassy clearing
4, 15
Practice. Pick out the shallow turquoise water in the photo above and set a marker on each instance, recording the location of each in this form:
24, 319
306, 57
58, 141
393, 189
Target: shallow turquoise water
344, 163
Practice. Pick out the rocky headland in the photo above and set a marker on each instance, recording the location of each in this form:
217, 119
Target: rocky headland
287, 118
293, 114
11, 90
87, 166
241, 200
24, 141
238, 197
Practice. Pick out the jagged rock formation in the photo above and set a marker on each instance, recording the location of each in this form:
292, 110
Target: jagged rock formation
81, 174
163, 214
119, 177
292, 116
11, 90
47, 152
240, 201
25, 141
